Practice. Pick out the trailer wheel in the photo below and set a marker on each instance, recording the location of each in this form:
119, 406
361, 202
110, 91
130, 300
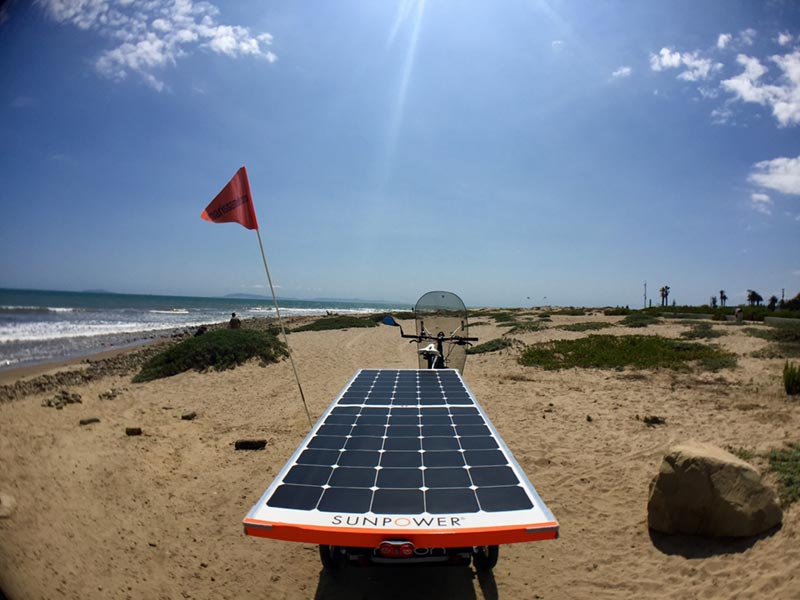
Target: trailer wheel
485, 557
330, 557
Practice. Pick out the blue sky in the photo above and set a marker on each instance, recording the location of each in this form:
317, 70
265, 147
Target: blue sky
507, 151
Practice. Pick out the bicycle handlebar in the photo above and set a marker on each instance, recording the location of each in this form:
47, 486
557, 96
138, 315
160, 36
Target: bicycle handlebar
425, 337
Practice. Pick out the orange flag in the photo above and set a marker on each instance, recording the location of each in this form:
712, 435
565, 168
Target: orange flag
234, 204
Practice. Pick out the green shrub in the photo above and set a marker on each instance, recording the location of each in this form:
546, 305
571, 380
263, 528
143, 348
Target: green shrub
524, 327
337, 322
490, 346
501, 316
700, 331
785, 340
591, 326
221, 349
570, 312
638, 320
791, 378
616, 352
782, 334
478, 323
616, 312
785, 464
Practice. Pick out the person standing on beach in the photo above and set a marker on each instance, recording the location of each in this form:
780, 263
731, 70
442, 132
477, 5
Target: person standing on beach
234, 323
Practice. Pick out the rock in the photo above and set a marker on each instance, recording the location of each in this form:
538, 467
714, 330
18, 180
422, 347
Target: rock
653, 420
189, 416
61, 399
133, 431
703, 490
7, 505
110, 394
250, 444
589, 418
89, 421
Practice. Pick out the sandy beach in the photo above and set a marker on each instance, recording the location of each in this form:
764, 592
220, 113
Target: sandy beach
98, 514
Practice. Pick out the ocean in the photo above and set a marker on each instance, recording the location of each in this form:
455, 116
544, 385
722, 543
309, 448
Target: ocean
38, 326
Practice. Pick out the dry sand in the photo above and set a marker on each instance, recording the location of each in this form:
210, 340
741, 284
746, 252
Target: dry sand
102, 515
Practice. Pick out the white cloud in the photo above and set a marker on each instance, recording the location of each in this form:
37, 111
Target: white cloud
161, 25
622, 72
721, 115
665, 59
747, 36
697, 68
149, 36
762, 203
557, 44
723, 40
779, 174
782, 96
784, 38
708, 92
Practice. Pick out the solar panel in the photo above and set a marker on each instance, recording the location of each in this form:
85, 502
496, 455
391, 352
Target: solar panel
403, 453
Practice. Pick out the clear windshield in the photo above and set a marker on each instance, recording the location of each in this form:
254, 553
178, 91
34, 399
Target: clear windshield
443, 312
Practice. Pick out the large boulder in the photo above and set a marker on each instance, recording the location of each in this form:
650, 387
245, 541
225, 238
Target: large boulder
703, 490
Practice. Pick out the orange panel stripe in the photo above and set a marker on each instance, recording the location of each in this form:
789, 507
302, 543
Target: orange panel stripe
371, 538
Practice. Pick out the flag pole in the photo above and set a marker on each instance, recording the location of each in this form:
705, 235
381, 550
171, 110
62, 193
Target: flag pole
283, 330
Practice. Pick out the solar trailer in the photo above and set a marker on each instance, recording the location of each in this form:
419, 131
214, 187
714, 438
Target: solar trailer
403, 464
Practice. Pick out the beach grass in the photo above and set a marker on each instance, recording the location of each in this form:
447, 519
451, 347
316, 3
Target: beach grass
570, 312
785, 463
219, 350
617, 312
618, 352
701, 331
784, 340
338, 322
526, 326
639, 320
491, 346
500, 316
591, 326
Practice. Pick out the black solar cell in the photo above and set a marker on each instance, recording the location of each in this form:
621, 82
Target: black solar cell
402, 442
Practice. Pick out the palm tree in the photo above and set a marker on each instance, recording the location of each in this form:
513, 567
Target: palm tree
722, 297
773, 302
666, 295
754, 298
713, 302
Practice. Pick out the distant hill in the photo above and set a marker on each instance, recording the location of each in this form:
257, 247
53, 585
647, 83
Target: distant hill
248, 296
355, 300
350, 300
